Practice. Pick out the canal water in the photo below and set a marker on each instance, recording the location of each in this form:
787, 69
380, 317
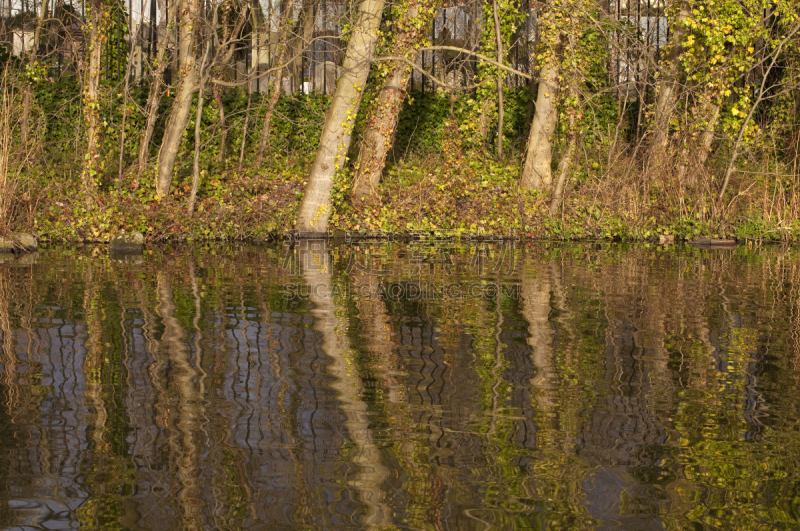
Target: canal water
426, 385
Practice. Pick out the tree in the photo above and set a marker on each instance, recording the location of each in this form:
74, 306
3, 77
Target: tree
340, 119
669, 83
536, 171
97, 25
224, 52
156, 84
284, 25
411, 19
187, 85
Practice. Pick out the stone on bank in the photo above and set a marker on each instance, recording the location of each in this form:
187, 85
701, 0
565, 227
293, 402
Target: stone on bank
126, 243
18, 242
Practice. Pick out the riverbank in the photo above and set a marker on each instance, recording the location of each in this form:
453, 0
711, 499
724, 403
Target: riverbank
465, 198
437, 179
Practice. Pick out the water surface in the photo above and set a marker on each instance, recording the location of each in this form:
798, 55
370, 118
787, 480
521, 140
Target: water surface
401, 386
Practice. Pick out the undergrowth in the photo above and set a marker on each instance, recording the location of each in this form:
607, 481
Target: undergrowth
437, 179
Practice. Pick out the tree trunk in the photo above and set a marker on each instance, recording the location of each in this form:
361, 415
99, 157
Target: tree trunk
382, 125
704, 148
668, 87
283, 56
336, 133
223, 130
27, 103
124, 117
379, 136
499, 39
244, 131
563, 169
187, 85
536, 173
707, 138
574, 77
201, 92
273, 102
27, 100
91, 102
152, 102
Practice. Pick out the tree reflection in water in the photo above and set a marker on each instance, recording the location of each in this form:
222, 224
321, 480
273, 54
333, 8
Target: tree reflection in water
614, 387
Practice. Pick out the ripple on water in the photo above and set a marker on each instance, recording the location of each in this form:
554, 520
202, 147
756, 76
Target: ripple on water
608, 387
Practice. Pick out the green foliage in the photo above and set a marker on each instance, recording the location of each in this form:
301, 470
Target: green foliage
421, 123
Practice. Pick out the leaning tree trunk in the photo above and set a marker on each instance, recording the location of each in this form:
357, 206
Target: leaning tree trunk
198, 120
536, 173
379, 135
273, 102
339, 122
153, 100
187, 85
668, 87
382, 125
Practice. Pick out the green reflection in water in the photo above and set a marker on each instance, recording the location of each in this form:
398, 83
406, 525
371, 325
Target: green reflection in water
233, 387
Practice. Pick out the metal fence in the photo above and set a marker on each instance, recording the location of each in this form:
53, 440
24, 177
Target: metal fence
638, 30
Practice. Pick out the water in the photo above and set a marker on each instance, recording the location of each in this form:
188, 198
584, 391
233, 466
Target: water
486, 386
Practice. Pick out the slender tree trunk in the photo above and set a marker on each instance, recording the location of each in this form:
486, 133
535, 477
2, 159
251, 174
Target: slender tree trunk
124, 117
91, 103
27, 99
707, 138
187, 85
336, 133
382, 125
8, 121
536, 173
27, 103
273, 102
223, 129
244, 130
197, 129
564, 166
283, 56
499, 39
153, 101
574, 78
668, 86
